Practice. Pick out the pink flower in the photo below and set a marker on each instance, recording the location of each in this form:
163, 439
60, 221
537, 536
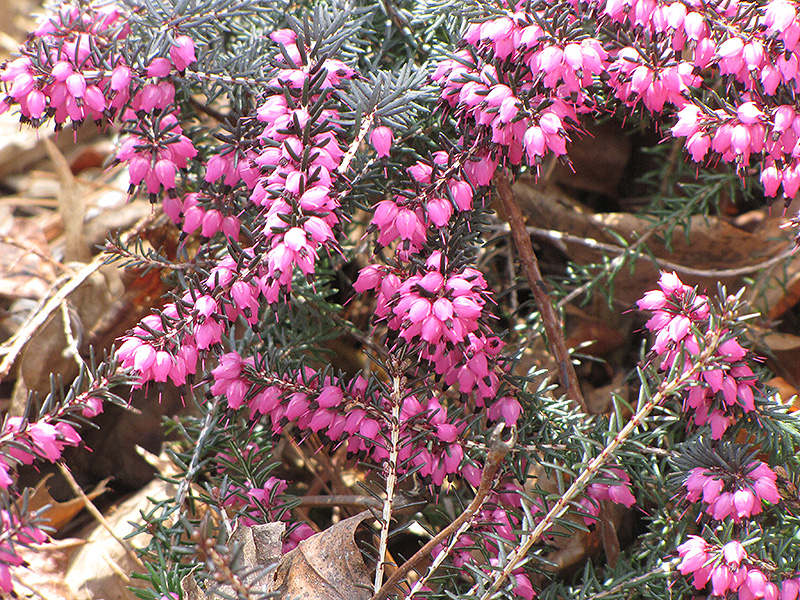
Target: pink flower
381, 139
182, 52
159, 67
619, 493
694, 554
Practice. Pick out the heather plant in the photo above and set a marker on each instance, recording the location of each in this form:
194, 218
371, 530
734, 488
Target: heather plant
294, 146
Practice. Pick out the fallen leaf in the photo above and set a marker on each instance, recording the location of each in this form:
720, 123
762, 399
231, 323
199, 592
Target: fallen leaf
594, 337
101, 569
21, 148
787, 393
329, 565
27, 269
71, 206
714, 246
779, 342
60, 513
259, 548
598, 159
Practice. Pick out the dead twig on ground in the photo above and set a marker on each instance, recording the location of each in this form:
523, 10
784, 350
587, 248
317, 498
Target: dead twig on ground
98, 516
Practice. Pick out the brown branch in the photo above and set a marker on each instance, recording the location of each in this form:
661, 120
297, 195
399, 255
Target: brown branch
550, 320
497, 452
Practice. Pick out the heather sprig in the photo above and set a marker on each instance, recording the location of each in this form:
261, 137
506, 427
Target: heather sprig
42, 434
312, 166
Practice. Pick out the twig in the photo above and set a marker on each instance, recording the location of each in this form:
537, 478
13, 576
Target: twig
440, 558
98, 515
72, 348
223, 573
41, 315
631, 584
209, 423
398, 367
617, 262
117, 569
239, 80
550, 320
497, 453
351, 151
31, 249
401, 503
665, 389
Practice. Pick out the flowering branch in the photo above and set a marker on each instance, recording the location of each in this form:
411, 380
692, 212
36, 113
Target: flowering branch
682, 374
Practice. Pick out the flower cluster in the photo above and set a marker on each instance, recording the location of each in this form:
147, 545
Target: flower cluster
521, 82
735, 495
729, 485
70, 79
204, 212
24, 441
681, 323
40, 439
298, 165
724, 566
439, 312
71, 68
728, 568
344, 412
156, 356
155, 151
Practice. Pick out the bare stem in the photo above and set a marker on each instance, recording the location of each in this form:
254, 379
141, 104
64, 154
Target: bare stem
550, 320
396, 398
351, 151
497, 452
440, 558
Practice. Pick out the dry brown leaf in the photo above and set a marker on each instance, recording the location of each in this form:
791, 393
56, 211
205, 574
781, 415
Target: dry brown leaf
779, 342
598, 159
21, 148
607, 532
327, 566
48, 351
25, 271
60, 513
786, 391
594, 337
71, 206
713, 245
259, 549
